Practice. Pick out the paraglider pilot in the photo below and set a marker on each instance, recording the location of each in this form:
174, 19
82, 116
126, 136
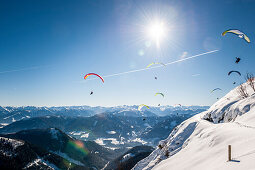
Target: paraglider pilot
237, 60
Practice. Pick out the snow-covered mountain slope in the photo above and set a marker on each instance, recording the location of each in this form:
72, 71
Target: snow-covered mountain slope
201, 142
230, 106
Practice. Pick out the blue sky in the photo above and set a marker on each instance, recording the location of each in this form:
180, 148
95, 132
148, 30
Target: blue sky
46, 47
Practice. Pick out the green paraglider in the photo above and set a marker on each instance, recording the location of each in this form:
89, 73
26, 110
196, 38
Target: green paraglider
160, 94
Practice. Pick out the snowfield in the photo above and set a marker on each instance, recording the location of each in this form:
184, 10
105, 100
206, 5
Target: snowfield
201, 142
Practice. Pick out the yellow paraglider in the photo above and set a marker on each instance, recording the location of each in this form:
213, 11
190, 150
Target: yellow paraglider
141, 106
153, 63
237, 32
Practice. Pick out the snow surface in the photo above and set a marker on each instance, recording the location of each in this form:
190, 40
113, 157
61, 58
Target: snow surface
14, 142
9, 152
200, 144
127, 156
111, 132
40, 160
114, 141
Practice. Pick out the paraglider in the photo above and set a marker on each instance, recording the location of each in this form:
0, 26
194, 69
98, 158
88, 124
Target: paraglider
153, 63
86, 76
144, 119
234, 72
215, 89
141, 106
158, 104
156, 78
160, 94
91, 92
234, 83
237, 32
237, 60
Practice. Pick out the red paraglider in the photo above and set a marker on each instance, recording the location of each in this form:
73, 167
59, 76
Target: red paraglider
94, 75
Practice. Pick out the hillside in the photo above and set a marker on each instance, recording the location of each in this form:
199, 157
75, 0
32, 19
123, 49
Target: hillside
201, 142
18, 154
83, 153
130, 158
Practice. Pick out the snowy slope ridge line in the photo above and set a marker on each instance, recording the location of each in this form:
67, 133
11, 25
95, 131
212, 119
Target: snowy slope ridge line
201, 142
230, 106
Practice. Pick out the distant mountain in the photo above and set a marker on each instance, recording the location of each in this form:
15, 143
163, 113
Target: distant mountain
130, 158
107, 129
11, 114
83, 153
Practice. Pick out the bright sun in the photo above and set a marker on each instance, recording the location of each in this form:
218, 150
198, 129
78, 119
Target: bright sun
156, 32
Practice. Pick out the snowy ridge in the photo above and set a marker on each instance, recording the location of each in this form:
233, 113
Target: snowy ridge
201, 144
39, 161
230, 106
14, 143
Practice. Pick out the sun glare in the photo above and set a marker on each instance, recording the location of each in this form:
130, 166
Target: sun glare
156, 32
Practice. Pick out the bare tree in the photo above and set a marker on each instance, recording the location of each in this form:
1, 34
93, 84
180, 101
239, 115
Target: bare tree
242, 91
250, 79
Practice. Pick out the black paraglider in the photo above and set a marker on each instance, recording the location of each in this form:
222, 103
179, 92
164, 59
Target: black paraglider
158, 104
234, 83
234, 72
91, 92
156, 78
144, 119
237, 60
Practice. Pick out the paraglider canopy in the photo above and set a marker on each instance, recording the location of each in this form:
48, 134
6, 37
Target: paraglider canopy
91, 92
141, 106
237, 32
234, 72
160, 94
215, 89
153, 63
89, 74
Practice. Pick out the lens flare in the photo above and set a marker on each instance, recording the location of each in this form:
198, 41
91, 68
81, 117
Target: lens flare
78, 145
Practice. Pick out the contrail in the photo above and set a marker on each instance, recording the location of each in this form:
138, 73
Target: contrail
170, 63
23, 69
